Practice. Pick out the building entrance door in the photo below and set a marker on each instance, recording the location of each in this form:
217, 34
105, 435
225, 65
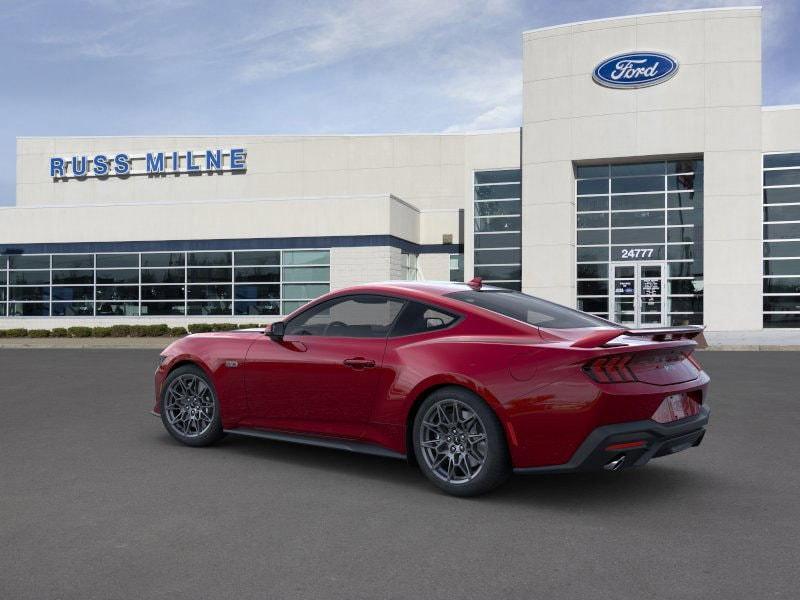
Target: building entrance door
637, 293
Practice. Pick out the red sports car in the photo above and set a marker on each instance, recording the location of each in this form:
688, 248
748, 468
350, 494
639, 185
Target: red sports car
467, 381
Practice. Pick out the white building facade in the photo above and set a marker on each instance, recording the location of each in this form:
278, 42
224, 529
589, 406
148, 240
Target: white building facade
654, 190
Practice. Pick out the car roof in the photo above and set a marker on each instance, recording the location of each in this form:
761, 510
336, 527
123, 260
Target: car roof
430, 288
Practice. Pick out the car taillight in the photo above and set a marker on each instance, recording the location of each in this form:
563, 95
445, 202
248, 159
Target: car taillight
674, 408
611, 369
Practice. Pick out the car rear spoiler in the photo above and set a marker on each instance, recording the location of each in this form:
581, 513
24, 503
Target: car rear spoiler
656, 334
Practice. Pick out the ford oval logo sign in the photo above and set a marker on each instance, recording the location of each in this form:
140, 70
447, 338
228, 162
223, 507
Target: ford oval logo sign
635, 70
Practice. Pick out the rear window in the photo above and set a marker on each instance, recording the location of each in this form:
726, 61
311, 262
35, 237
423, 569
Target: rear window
528, 309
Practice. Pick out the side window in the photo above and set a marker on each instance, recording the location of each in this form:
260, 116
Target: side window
362, 316
419, 318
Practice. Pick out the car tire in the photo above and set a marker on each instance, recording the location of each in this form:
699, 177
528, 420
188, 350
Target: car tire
190, 408
459, 443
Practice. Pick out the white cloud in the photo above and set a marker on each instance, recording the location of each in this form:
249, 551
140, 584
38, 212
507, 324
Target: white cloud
497, 117
332, 35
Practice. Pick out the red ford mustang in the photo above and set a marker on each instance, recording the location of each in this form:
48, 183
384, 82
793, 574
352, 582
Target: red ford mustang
467, 381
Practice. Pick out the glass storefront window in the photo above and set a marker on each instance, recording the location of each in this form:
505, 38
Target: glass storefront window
162, 283
781, 251
457, 267
641, 213
497, 224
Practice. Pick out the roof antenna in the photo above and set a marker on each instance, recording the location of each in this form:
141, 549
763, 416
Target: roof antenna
475, 283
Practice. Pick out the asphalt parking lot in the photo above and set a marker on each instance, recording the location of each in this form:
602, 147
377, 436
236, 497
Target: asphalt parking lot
97, 501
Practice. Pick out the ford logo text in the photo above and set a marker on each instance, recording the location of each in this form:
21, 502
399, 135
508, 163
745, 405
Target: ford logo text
635, 70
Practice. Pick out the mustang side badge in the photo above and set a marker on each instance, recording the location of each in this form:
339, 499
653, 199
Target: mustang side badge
232, 363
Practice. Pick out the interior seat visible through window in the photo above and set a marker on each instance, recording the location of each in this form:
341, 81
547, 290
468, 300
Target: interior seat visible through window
362, 316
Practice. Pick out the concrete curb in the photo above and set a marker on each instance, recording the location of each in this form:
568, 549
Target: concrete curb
87, 343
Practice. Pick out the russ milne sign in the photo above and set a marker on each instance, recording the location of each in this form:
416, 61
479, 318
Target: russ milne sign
151, 163
635, 70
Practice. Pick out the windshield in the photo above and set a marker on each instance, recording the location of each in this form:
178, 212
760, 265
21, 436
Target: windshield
528, 309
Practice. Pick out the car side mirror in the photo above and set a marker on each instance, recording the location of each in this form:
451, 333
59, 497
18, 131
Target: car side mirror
276, 331
433, 323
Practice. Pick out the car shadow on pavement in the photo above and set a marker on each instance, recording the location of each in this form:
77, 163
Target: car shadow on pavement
654, 483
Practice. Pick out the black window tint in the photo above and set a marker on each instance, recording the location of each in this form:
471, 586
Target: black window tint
637, 236
637, 202
258, 257
73, 261
36, 261
220, 275
29, 277
781, 195
593, 203
593, 220
782, 213
788, 177
163, 259
782, 267
162, 275
362, 316
782, 160
498, 273
595, 305
592, 254
110, 261
507, 175
119, 276
491, 192
592, 186
497, 240
528, 309
73, 277
72, 292
592, 237
637, 219
592, 271
789, 249
637, 184
162, 292
419, 318
209, 259
682, 182
653, 168
114, 293
582, 171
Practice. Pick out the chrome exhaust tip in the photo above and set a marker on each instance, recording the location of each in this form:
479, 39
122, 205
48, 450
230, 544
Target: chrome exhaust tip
616, 464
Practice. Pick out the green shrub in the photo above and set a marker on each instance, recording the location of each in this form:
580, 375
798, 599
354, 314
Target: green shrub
101, 332
38, 333
120, 330
17, 332
156, 330
59, 332
223, 327
200, 327
2, 333
137, 330
177, 331
79, 332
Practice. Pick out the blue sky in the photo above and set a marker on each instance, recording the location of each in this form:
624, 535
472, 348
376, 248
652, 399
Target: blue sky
105, 67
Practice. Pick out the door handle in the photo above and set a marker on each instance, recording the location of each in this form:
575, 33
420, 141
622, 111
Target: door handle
359, 363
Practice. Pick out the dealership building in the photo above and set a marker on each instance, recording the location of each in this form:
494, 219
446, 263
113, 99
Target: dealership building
646, 184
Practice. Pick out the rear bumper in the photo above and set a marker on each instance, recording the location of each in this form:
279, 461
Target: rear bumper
659, 440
